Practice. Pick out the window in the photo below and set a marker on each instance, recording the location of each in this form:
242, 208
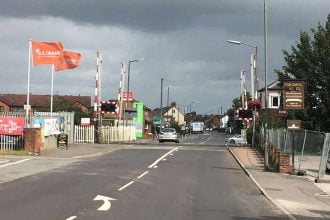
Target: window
274, 101
2, 108
173, 111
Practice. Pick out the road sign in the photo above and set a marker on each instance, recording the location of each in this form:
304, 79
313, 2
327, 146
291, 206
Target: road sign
128, 96
294, 124
293, 94
157, 120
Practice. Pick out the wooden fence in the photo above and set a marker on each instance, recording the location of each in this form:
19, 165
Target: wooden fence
84, 134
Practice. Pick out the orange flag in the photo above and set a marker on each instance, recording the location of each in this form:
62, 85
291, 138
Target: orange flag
71, 60
47, 53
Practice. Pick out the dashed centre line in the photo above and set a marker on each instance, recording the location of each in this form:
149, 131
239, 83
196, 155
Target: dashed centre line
143, 174
162, 157
130, 183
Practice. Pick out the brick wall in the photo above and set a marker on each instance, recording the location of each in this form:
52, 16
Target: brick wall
279, 160
32, 140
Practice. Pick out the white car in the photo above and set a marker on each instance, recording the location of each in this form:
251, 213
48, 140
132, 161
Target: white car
168, 134
237, 139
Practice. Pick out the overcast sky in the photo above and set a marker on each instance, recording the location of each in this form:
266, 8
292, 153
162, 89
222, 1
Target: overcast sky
183, 41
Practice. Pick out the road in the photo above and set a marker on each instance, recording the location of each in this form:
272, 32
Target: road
196, 180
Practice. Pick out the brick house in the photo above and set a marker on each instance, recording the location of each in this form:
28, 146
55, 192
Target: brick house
16, 102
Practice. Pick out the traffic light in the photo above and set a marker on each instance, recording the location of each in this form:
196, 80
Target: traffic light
108, 107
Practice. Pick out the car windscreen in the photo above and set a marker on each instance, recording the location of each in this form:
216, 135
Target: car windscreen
168, 130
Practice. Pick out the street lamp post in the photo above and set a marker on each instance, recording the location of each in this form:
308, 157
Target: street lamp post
254, 85
128, 78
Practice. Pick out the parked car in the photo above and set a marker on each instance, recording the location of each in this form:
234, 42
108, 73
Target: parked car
236, 139
168, 134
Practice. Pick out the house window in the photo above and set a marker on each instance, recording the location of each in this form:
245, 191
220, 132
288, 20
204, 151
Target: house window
274, 101
173, 111
2, 108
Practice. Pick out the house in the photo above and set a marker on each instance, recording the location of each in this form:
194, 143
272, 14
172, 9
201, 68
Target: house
16, 102
273, 97
170, 113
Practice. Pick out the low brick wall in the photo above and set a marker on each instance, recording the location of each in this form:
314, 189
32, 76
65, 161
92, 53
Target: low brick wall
32, 140
280, 161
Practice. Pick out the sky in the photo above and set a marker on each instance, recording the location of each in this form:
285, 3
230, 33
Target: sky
182, 41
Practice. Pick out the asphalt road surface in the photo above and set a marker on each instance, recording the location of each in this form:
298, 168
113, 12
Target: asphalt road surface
142, 182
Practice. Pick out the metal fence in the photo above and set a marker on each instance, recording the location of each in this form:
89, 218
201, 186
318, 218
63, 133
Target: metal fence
309, 149
10, 142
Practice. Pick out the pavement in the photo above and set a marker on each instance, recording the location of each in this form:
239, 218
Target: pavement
298, 196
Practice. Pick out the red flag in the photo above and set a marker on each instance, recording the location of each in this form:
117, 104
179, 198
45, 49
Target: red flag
71, 61
47, 52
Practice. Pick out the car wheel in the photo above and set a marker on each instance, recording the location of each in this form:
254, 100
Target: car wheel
232, 141
177, 141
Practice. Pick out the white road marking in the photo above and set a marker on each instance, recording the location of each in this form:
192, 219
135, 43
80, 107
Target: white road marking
71, 218
171, 154
13, 163
206, 140
155, 167
106, 205
4, 161
162, 157
142, 174
126, 186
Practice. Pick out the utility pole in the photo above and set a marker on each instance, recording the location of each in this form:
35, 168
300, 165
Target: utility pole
161, 102
266, 90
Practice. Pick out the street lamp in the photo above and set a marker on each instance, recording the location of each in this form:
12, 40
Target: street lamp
128, 77
129, 69
253, 83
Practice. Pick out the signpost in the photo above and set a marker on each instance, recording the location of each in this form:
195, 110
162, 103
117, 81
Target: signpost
293, 99
294, 94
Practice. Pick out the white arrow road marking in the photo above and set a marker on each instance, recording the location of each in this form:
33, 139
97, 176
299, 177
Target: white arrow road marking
71, 218
106, 205
162, 157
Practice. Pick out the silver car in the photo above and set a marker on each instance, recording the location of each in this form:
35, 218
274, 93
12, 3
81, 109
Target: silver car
168, 134
237, 139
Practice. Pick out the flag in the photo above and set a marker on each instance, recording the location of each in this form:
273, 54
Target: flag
47, 53
71, 61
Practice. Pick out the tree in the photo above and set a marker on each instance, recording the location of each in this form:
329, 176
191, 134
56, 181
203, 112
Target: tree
310, 60
61, 104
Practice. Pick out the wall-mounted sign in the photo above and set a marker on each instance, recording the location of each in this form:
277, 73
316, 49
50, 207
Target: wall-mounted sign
11, 126
294, 124
293, 94
85, 121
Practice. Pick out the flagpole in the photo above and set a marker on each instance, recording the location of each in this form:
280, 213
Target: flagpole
51, 93
28, 87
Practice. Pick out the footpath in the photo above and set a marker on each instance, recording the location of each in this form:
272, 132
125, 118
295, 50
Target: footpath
297, 196
16, 167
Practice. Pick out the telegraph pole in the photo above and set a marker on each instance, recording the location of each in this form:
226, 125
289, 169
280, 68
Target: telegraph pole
161, 102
